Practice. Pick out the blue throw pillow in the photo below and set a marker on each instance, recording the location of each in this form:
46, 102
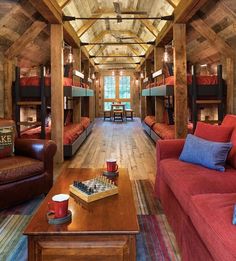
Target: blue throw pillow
209, 154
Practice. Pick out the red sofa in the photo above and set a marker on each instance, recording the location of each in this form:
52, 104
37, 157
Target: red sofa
198, 202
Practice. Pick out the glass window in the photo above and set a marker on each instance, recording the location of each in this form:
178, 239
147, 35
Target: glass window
127, 105
109, 87
107, 106
124, 90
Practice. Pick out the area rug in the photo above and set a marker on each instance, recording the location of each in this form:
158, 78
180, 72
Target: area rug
155, 241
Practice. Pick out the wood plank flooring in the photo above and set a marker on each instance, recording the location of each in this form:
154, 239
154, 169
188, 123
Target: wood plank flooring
124, 141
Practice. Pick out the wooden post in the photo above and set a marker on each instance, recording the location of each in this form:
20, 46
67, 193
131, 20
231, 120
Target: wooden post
92, 98
57, 97
159, 101
180, 80
230, 84
77, 101
8, 77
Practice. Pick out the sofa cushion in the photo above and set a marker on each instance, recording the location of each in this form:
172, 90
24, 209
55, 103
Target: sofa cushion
230, 120
206, 153
211, 215
18, 167
213, 132
186, 179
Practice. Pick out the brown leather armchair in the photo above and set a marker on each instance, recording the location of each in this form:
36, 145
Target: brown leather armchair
28, 173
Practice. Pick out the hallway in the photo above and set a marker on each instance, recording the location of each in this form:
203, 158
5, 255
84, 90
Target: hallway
125, 142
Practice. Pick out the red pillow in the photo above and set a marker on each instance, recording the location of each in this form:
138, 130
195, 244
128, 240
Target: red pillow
213, 132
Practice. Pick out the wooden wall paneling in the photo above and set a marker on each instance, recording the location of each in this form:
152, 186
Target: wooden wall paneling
8, 78
92, 98
159, 101
180, 80
28, 36
230, 67
1, 85
57, 96
215, 40
143, 99
76, 101
148, 102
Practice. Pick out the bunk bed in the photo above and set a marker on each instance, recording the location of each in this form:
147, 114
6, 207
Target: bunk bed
29, 89
201, 90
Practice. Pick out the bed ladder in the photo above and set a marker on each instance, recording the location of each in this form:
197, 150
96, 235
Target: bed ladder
219, 99
41, 103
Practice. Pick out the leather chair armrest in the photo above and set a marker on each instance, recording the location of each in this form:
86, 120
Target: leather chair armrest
43, 150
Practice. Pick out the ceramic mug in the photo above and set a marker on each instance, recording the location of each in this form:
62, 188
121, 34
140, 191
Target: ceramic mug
59, 205
111, 165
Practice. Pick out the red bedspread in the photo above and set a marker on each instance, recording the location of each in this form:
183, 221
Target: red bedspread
201, 80
150, 120
166, 131
85, 121
35, 81
71, 132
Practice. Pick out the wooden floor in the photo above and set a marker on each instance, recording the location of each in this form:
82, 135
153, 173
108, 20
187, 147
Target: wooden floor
124, 141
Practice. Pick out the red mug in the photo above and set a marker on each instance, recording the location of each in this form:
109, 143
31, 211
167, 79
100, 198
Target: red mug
111, 165
59, 205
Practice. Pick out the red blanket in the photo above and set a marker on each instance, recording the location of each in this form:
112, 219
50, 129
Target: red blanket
71, 132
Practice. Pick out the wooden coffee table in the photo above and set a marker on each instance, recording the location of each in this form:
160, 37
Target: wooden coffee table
101, 230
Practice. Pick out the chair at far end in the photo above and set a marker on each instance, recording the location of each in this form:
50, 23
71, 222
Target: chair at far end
107, 114
129, 113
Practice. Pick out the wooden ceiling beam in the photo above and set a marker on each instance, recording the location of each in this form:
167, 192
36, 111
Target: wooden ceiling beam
4, 20
172, 3
151, 28
29, 35
52, 12
230, 13
66, 2
200, 26
182, 13
87, 25
97, 39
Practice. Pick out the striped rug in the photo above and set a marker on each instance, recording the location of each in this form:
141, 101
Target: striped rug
155, 241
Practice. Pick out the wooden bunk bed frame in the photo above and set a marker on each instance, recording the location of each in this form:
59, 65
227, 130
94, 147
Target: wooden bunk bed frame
198, 94
43, 92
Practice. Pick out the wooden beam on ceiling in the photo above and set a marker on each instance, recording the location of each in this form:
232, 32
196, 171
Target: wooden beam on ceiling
66, 2
151, 28
200, 26
52, 12
230, 13
4, 20
87, 25
97, 39
28, 36
182, 13
172, 3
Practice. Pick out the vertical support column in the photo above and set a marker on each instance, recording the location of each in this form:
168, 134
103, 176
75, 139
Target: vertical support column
92, 98
8, 77
230, 84
159, 101
57, 101
77, 101
149, 105
85, 106
180, 80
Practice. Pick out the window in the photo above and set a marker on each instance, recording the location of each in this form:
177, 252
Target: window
109, 87
124, 90
117, 88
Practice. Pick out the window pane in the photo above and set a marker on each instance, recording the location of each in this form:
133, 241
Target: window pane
124, 87
127, 105
109, 87
107, 106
